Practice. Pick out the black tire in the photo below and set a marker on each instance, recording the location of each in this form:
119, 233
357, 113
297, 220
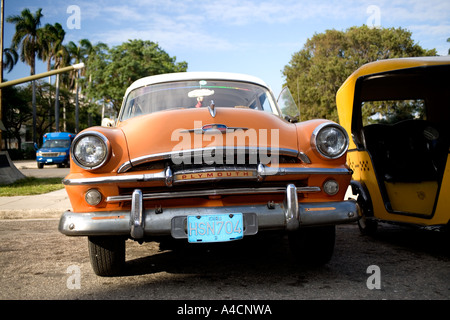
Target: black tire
40, 165
107, 255
367, 226
313, 246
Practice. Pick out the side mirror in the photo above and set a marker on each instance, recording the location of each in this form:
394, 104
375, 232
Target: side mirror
288, 107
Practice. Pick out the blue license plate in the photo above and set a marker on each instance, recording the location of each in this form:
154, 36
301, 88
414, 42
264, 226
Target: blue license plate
215, 227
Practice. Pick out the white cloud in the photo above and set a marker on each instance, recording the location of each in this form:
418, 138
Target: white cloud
206, 24
167, 39
431, 30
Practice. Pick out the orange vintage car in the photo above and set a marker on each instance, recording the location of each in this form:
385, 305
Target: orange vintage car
207, 157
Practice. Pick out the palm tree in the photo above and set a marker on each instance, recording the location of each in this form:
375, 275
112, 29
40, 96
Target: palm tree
51, 38
51, 42
78, 54
26, 39
10, 58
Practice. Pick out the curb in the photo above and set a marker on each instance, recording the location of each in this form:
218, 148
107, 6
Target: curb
44, 206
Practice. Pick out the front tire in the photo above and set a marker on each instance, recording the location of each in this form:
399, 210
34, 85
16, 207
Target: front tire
313, 245
366, 225
107, 255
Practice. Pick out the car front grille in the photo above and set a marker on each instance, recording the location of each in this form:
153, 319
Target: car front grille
49, 154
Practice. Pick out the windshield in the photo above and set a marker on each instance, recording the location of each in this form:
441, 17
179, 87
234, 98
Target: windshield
56, 144
197, 94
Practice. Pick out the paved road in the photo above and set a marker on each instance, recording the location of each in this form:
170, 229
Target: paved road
30, 169
37, 262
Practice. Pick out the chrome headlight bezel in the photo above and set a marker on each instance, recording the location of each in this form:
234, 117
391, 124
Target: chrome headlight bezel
99, 138
317, 140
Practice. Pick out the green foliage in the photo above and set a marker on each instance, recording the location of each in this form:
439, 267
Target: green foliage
26, 37
108, 72
16, 110
392, 111
111, 70
316, 72
31, 186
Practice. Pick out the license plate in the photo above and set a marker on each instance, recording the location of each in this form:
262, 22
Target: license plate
215, 227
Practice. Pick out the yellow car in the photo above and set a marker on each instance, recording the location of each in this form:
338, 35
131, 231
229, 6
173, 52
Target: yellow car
397, 112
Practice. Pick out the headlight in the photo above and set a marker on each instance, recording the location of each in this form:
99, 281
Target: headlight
90, 150
330, 140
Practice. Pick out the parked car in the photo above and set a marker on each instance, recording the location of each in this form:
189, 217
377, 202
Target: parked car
207, 157
397, 112
55, 149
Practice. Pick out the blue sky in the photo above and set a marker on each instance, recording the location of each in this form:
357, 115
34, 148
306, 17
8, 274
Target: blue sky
256, 37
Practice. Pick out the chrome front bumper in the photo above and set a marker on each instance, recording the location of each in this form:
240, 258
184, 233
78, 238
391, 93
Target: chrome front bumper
140, 222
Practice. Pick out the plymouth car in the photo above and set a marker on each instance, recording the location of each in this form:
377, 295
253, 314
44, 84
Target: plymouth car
202, 158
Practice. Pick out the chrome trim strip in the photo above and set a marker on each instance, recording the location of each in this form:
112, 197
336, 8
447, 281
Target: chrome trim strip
188, 154
165, 175
304, 158
159, 176
282, 171
215, 169
213, 192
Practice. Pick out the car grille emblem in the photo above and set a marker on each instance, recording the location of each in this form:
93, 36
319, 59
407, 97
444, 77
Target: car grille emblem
214, 128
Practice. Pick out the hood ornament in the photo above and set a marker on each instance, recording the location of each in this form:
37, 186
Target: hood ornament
212, 109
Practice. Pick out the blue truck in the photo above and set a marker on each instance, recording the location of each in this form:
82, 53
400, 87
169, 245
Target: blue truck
55, 150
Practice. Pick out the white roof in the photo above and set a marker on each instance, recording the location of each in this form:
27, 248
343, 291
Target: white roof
182, 76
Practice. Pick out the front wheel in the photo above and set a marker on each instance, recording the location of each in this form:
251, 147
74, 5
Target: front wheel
107, 255
313, 245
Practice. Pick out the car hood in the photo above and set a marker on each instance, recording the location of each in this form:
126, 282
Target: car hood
186, 129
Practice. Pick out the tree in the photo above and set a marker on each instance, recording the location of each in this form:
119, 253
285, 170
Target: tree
16, 111
112, 70
10, 58
78, 54
26, 38
51, 39
316, 72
